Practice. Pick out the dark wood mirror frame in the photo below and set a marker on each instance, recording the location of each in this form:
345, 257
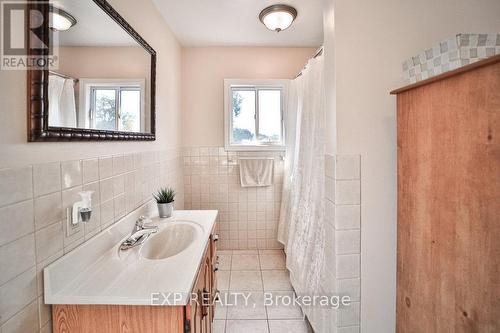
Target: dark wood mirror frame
38, 117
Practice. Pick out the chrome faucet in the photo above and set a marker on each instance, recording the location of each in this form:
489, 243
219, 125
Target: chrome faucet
139, 234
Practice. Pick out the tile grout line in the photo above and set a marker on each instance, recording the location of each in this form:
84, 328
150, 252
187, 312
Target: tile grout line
262, 279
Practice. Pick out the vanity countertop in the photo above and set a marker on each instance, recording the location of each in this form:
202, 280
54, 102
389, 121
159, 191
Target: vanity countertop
99, 273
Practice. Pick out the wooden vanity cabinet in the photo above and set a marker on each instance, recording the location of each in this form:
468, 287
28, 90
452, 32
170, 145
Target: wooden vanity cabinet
195, 317
200, 313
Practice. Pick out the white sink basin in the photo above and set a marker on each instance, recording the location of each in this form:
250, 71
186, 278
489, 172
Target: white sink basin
170, 240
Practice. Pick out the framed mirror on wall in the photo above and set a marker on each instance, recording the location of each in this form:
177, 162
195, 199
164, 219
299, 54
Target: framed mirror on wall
98, 80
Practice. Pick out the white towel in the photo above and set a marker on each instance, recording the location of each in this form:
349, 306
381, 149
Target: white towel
256, 172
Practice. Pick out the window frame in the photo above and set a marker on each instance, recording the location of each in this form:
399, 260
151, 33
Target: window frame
86, 98
255, 85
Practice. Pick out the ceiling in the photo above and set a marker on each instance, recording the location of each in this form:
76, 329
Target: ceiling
236, 23
94, 27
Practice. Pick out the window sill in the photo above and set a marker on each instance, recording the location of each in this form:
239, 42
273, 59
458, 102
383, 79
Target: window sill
255, 148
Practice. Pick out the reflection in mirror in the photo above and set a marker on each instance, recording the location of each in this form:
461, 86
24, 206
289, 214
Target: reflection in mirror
103, 77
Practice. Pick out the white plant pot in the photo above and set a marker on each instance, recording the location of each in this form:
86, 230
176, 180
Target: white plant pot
165, 209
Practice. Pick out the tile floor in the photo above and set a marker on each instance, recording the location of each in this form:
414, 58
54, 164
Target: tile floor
255, 274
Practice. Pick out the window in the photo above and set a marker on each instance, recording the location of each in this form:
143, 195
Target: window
113, 105
254, 113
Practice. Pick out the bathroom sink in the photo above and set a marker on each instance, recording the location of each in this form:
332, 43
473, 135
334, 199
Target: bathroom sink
171, 240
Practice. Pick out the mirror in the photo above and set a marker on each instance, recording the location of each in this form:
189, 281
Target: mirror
102, 85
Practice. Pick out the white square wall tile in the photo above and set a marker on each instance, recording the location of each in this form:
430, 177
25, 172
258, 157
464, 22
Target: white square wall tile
49, 241
44, 312
71, 174
16, 294
16, 185
90, 170
46, 178
330, 212
349, 287
16, 257
48, 209
105, 167
350, 315
16, 221
347, 192
347, 241
347, 217
25, 320
330, 189
118, 164
347, 167
347, 266
330, 166
106, 189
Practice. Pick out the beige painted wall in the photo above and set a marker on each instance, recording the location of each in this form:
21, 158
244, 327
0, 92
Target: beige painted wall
116, 62
144, 17
203, 72
372, 38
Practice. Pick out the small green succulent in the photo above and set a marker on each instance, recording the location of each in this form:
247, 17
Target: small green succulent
164, 195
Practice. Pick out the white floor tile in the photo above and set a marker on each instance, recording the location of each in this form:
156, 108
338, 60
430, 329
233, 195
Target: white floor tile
272, 261
223, 280
282, 306
245, 262
276, 280
271, 252
245, 280
288, 326
220, 306
224, 262
218, 326
248, 306
245, 252
247, 326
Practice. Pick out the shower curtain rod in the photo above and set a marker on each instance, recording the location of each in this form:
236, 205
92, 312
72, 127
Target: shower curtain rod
64, 76
319, 52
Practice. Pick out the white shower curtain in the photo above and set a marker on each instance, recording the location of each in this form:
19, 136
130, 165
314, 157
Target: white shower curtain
301, 224
62, 104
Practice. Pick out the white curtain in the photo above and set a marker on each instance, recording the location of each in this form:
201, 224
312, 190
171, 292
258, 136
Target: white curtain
301, 224
62, 104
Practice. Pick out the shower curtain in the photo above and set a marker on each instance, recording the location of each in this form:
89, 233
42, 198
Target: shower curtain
301, 223
62, 104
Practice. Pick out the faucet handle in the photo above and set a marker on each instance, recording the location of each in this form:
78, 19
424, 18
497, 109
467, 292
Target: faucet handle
140, 222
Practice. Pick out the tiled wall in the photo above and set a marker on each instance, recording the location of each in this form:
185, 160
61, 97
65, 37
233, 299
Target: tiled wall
248, 217
341, 274
33, 202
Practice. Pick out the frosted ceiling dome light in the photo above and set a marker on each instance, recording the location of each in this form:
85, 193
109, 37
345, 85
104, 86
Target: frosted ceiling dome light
278, 17
60, 20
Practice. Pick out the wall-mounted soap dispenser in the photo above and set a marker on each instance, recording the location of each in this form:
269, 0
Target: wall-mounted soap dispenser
82, 210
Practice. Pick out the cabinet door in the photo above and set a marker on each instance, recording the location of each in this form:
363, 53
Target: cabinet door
200, 317
196, 320
213, 272
207, 294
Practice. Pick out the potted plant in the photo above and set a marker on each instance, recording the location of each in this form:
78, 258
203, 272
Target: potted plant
165, 200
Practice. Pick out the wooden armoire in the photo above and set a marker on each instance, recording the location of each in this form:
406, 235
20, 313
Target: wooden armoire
448, 252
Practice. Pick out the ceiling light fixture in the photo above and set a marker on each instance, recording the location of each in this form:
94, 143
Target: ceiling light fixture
278, 17
60, 20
